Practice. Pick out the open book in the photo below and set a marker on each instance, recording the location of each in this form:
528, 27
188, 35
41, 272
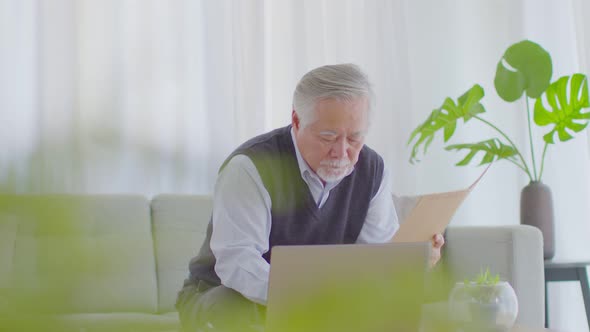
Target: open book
431, 214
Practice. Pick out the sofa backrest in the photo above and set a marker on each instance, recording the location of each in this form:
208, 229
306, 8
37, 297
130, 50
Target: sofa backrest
404, 205
79, 253
179, 227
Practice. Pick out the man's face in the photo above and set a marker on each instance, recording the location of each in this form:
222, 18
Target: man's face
331, 144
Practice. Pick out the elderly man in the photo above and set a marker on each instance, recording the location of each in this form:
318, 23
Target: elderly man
312, 182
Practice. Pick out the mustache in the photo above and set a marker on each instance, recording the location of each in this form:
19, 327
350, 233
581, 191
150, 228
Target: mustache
339, 163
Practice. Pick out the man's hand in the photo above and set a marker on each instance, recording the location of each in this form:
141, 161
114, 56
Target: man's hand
437, 242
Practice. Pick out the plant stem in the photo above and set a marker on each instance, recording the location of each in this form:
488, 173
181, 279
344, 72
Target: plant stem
528, 117
517, 165
543, 161
524, 166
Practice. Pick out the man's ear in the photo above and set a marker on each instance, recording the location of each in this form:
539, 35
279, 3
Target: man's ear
295, 120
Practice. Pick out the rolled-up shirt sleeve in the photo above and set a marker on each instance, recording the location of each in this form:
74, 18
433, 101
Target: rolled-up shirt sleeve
241, 229
381, 222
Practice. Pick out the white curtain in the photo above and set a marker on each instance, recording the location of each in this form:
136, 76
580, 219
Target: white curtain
149, 96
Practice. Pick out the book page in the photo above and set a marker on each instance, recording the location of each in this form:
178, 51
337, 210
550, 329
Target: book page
431, 214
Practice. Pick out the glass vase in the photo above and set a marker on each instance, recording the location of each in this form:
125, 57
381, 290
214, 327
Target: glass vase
486, 308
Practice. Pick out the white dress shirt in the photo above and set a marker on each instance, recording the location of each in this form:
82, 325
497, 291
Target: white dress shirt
242, 222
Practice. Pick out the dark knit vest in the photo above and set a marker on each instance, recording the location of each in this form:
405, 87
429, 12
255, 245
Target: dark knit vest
296, 218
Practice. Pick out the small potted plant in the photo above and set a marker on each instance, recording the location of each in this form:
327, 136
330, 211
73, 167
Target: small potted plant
484, 292
484, 303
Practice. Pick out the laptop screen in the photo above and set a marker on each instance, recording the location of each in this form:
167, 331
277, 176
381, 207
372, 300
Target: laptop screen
374, 287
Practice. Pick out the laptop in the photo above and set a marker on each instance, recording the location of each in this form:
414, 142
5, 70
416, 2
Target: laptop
340, 288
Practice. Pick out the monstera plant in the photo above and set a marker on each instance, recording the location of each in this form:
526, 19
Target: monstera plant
524, 71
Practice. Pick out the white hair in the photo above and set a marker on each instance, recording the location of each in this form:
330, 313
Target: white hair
342, 82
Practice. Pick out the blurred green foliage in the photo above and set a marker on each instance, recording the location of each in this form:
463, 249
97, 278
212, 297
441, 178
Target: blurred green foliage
41, 262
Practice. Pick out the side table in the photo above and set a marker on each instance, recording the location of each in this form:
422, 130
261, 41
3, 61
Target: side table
518, 328
529, 329
567, 271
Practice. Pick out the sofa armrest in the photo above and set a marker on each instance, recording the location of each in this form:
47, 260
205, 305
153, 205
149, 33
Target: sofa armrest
515, 252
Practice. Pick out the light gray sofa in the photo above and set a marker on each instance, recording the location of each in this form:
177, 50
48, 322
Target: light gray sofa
124, 257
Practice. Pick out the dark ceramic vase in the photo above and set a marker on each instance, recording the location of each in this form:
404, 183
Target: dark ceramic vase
536, 209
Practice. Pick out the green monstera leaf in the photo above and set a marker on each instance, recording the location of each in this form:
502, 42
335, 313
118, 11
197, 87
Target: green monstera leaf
445, 118
525, 66
493, 149
564, 113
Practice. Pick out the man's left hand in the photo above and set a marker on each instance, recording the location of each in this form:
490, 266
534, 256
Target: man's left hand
437, 242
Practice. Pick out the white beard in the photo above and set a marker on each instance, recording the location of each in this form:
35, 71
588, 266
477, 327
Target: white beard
334, 170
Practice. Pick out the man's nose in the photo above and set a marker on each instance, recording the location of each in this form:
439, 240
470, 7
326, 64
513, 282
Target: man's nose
340, 148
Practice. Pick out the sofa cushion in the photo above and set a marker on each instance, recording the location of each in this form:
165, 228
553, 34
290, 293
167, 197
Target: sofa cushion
179, 226
75, 253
